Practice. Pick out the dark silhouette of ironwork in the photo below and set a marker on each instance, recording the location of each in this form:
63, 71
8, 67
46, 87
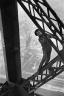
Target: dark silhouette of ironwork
43, 16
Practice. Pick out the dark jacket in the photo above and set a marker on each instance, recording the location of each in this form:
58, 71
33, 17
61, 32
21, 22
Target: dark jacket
45, 44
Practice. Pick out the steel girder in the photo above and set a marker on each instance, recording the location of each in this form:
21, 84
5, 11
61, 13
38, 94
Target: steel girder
43, 16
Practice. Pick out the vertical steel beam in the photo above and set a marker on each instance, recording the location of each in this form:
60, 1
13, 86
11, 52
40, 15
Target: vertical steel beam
10, 24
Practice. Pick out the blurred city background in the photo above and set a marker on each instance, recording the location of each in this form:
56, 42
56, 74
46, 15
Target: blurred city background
31, 52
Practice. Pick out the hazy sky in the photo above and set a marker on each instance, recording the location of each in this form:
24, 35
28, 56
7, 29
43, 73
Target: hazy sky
58, 6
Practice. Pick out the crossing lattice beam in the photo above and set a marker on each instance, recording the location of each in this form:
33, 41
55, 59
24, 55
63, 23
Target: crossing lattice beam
44, 17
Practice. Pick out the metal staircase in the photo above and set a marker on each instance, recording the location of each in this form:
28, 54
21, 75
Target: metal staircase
44, 17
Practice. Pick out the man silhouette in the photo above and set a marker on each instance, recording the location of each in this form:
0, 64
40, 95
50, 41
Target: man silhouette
46, 47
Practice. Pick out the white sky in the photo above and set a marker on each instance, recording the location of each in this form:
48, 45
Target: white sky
58, 6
